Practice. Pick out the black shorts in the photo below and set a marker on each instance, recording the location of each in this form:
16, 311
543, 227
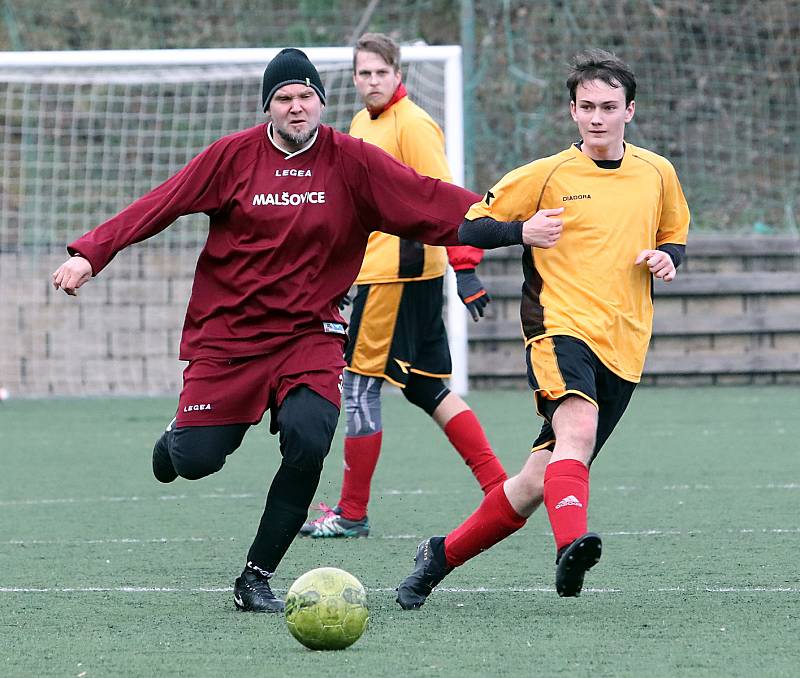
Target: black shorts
561, 366
396, 329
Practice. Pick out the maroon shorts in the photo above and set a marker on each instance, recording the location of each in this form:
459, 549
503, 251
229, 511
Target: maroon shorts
239, 390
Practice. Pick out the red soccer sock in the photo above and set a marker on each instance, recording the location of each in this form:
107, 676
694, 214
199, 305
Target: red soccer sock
494, 520
466, 434
360, 459
566, 497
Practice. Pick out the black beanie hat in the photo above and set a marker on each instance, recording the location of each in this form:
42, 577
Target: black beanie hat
289, 66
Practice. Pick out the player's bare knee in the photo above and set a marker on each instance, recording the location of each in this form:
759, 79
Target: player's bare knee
575, 425
578, 439
530, 479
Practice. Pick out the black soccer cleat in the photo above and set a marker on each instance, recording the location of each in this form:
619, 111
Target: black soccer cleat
163, 469
574, 561
430, 567
252, 593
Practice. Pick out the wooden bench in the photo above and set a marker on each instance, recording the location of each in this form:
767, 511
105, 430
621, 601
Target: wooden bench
731, 316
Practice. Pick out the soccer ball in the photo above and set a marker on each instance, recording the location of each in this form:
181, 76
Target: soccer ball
326, 609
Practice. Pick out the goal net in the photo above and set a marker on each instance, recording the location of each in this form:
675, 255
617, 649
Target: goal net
83, 135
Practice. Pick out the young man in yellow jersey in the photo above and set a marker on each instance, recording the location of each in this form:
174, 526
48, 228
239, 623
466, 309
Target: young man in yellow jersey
607, 218
396, 331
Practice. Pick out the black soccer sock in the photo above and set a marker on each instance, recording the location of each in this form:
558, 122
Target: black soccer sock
285, 512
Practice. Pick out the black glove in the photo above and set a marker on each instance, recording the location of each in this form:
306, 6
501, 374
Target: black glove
472, 292
344, 302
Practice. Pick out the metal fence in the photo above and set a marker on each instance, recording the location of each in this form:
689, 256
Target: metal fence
719, 81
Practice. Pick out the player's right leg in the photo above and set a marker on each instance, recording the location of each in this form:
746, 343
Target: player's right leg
503, 511
163, 468
218, 403
194, 452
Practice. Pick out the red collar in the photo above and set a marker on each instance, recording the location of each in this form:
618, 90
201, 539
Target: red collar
399, 93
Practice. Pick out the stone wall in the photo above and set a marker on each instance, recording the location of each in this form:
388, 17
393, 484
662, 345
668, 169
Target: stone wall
731, 317
120, 335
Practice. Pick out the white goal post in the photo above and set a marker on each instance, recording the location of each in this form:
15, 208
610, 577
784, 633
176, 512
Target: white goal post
85, 133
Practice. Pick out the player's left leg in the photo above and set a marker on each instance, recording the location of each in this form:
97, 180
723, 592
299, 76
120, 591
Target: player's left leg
562, 370
566, 493
576, 557
428, 354
566, 480
306, 422
459, 424
581, 424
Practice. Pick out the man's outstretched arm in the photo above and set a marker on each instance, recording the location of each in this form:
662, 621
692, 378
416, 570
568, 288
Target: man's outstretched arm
542, 230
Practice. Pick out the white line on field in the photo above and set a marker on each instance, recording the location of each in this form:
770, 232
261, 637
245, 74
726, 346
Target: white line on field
747, 530
153, 540
414, 537
550, 589
102, 499
386, 492
511, 589
120, 540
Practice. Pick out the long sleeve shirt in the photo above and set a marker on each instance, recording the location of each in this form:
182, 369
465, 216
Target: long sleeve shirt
587, 286
287, 233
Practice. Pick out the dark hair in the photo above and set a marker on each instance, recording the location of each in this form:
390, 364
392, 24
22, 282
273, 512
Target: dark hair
597, 64
382, 45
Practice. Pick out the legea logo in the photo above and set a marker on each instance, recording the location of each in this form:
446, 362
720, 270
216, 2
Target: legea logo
196, 408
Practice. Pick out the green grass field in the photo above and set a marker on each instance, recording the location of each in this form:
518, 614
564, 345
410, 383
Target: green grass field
105, 572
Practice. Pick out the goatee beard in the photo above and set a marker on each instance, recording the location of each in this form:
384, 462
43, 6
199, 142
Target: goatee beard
297, 139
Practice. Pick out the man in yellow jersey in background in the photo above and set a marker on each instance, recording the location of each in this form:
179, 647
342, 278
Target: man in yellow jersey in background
600, 219
396, 329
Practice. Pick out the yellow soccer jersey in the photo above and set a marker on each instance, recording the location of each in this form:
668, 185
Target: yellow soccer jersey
587, 285
408, 133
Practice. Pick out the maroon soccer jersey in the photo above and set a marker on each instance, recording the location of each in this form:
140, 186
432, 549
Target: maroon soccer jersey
287, 233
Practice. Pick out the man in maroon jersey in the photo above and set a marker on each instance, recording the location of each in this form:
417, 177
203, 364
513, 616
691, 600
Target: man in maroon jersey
291, 204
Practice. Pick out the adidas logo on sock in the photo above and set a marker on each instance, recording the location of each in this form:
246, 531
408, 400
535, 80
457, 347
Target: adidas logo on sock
572, 500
